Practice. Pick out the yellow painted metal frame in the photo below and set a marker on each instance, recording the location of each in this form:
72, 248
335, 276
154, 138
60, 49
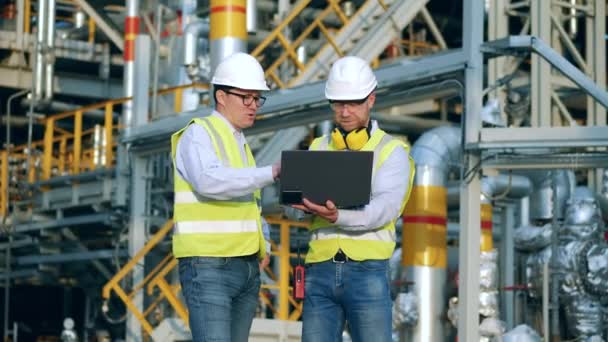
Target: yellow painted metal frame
157, 279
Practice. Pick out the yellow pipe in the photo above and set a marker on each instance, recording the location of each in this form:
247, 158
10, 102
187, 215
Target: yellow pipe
62, 152
48, 149
486, 242
26, 16
91, 38
177, 100
284, 265
425, 228
108, 134
77, 142
228, 19
4, 182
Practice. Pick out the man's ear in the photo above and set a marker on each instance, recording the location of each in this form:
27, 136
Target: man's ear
220, 95
371, 99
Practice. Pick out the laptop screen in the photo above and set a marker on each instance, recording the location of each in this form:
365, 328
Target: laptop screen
344, 177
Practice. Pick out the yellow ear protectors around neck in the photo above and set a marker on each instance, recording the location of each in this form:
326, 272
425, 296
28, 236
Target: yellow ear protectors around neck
353, 140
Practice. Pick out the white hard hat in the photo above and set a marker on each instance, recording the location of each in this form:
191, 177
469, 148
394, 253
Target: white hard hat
240, 70
350, 78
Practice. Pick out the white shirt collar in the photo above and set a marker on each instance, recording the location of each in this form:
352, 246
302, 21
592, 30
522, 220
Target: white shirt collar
235, 132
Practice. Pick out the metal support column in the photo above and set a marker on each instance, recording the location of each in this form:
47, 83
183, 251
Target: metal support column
507, 261
596, 61
138, 193
541, 70
498, 27
470, 216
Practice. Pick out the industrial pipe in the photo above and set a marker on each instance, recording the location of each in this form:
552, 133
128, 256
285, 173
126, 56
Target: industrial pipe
228, 33
49, 59
424, 242
131, 31
195, 30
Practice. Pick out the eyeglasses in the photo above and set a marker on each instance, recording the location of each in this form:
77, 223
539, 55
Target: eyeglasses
248, 98
340, 105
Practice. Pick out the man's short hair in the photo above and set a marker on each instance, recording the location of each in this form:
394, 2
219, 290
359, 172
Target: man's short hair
217, 87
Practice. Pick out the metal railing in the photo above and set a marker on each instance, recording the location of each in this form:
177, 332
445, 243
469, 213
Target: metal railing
70, 146
289, 54
156, 283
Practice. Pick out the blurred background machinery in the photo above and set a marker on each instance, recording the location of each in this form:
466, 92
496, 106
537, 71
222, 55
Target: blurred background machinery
503, 102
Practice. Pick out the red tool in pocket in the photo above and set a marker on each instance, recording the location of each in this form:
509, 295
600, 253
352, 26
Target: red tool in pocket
298, 280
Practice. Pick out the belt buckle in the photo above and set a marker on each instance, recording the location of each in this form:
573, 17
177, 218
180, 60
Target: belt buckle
342, 258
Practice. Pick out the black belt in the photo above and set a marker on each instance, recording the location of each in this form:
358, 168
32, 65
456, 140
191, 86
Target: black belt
340, 257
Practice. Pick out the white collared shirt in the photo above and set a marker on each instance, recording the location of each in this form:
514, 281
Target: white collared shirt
198, 164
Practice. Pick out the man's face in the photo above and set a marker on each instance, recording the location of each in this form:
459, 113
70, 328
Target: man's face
239, 106
351, 115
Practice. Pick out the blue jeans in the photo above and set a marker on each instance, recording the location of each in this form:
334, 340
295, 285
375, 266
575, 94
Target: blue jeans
356, 292
221, 295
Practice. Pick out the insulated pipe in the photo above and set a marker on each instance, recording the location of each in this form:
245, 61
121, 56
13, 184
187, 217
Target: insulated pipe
50, 51
228, 33
425, 228
39, 67
252, 16
192, 33
131, 31
424, 243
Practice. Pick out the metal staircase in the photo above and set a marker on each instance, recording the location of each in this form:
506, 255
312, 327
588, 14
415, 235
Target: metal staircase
366, 34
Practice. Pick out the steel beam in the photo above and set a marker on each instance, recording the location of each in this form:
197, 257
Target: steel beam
115, 37
540, 14
470, 216
68, 257
533, 137
64, 222
306, 104
522, 44
507, 160
65, 84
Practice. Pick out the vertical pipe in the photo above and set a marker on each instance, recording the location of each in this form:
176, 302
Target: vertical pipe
228, 32
91, 38
545, 303
4, 181
49, 77
7, 289
48, 148
486, 241
77, 142
131, 31
252, 16
508, 262
97, 147
159, 19
108, 123
19, 28
284, 272
554, 273
40, 48
424, 250
26, 16
62, 152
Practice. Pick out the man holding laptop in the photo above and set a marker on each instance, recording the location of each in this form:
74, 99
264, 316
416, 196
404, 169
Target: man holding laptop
347, 275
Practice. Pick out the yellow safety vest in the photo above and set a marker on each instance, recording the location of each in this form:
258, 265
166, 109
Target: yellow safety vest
374, 244
211, 227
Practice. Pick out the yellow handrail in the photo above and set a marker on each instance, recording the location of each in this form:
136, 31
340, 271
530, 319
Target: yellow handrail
289, 52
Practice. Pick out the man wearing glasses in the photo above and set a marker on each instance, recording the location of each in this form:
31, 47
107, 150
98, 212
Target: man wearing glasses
218, 236
347, 275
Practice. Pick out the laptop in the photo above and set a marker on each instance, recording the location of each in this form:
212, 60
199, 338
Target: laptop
344, 177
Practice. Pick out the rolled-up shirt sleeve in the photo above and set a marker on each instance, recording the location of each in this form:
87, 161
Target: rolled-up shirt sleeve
197, 164
389, 187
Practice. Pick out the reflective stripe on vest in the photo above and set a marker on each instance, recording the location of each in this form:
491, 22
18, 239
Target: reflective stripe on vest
358, 245
211, 227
